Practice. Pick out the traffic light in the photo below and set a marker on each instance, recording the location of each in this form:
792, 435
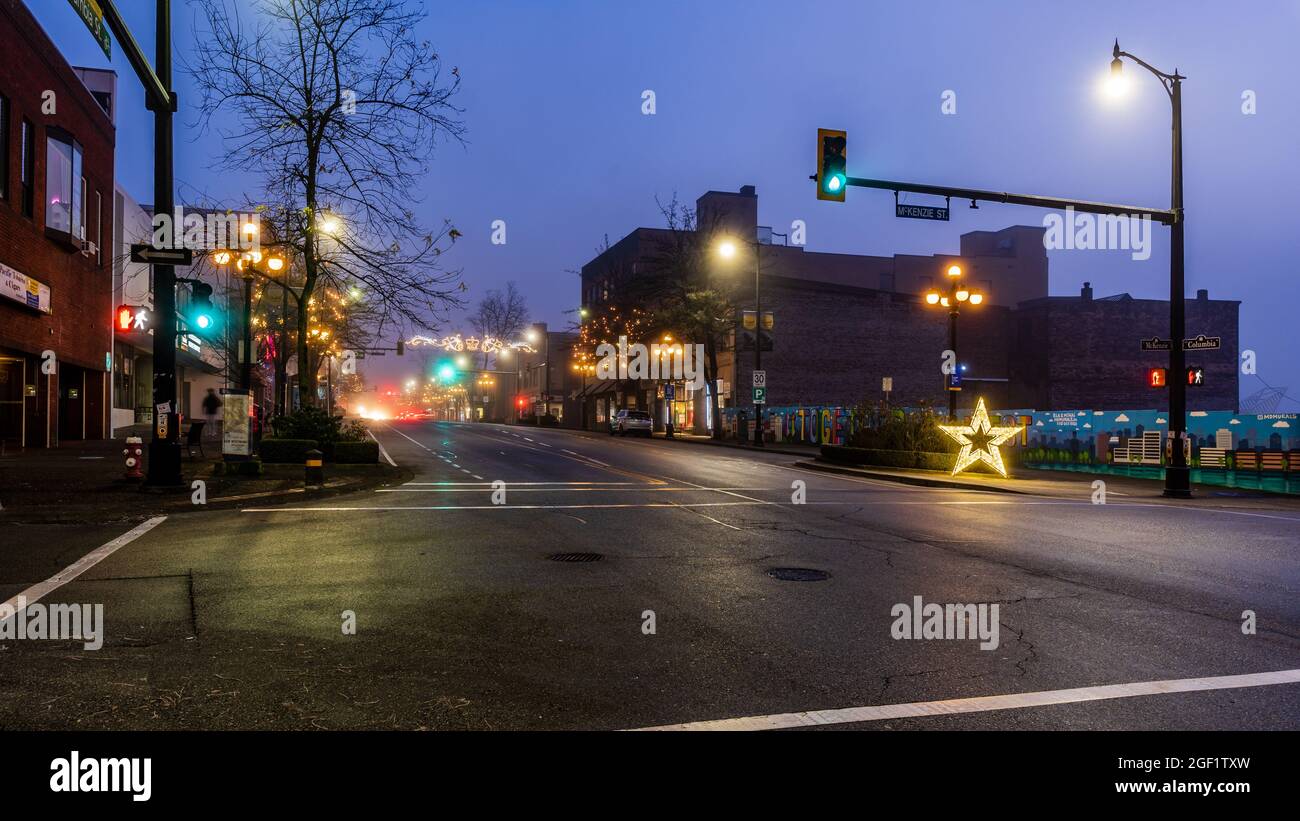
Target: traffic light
832, 164
201, 313
446, 372
1195, 376
401, 347
1157, 378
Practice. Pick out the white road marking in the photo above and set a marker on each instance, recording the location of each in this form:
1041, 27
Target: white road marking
565, 450
980, 704
706, 516
38, 591
515, 507
382, 452
476, 476
477, 488
404, 436
523, 484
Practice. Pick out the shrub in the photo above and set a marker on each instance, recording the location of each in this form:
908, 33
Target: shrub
916, 460
549, 421
356, 453
285, 450
898, 430
315, 423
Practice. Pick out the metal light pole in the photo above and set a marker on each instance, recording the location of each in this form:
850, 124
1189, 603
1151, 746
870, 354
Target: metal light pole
1177, 474
758, 344
957, 294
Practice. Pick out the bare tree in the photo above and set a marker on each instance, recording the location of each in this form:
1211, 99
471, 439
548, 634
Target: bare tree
501, 314
337, 108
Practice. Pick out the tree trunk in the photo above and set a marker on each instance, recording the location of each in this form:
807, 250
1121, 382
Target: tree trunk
711, 374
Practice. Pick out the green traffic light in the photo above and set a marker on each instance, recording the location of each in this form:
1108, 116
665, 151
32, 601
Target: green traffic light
446, 373
203, 321
834, 183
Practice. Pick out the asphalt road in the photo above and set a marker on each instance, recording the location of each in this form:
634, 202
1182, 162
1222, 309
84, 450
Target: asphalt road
235, 619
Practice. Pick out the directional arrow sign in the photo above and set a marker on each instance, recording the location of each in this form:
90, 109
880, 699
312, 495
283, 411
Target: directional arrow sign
161, 256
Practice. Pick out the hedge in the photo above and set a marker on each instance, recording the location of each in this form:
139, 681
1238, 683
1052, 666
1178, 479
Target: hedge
286, 450
355, 453
916, 460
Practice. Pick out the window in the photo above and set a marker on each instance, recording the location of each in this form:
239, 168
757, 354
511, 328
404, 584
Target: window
28, 166
4, 147
63, 184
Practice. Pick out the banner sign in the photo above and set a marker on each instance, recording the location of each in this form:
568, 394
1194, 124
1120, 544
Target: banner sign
22, 288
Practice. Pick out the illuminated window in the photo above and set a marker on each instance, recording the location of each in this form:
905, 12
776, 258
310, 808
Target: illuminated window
63, 188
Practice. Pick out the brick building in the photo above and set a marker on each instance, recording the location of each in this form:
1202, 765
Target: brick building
56, 203
842, 322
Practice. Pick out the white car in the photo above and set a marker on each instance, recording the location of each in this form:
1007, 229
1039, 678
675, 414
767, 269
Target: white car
631, 421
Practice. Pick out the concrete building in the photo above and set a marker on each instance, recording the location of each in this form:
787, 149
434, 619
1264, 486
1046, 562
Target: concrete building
56, 186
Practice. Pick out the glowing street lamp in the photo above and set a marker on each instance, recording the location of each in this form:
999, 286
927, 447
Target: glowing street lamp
957, 294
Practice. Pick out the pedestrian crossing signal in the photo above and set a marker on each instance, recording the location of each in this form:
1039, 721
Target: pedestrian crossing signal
1195, 376
1157, 378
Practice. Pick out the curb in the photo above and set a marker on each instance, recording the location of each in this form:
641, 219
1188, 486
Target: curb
924, 481
733, 445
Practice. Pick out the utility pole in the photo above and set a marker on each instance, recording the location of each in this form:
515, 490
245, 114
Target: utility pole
164, 462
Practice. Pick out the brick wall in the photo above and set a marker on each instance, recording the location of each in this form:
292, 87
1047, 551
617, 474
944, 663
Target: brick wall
78, 329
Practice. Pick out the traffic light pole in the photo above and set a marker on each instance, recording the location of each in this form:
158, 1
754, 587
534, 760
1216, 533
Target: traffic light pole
164, 462
758, 343
1177, 474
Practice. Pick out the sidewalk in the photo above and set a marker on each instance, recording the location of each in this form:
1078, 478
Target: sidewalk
1065, 485
85, 483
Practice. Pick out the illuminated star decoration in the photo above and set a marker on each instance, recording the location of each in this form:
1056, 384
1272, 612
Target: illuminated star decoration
979, 441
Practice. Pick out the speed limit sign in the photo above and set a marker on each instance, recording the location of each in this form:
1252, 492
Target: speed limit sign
760, 379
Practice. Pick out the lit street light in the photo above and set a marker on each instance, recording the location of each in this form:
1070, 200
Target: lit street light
727, 250
957, 294
1177, 475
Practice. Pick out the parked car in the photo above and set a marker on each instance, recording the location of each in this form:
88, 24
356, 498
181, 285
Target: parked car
631, 421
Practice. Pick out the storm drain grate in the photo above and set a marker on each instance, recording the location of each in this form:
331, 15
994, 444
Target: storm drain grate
576, 557
798, 574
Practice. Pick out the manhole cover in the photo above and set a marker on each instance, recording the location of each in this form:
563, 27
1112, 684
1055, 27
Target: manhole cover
798, 574
575, 557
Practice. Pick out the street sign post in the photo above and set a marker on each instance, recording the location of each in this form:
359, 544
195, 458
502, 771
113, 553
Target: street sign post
149, 255
90, 14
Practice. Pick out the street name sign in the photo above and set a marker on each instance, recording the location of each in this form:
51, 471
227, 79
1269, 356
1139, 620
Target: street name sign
150, 255
921, 212
93, 17
1201, 342
1155, 343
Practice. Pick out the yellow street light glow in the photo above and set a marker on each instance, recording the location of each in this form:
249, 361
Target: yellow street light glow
275, 264
979, 441
954, 270
329, 225
726, 249
531, 336
221, 257
976, 299
944, 301
251, 229
932, 298
963, 295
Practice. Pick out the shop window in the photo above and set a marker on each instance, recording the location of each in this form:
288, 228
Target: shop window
63, 185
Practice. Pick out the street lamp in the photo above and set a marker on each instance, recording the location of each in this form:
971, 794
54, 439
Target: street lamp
727, 249
957, 294
1177, 475
246, 266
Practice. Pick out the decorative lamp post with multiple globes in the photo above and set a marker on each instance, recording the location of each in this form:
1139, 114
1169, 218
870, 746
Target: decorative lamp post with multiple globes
958, 294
